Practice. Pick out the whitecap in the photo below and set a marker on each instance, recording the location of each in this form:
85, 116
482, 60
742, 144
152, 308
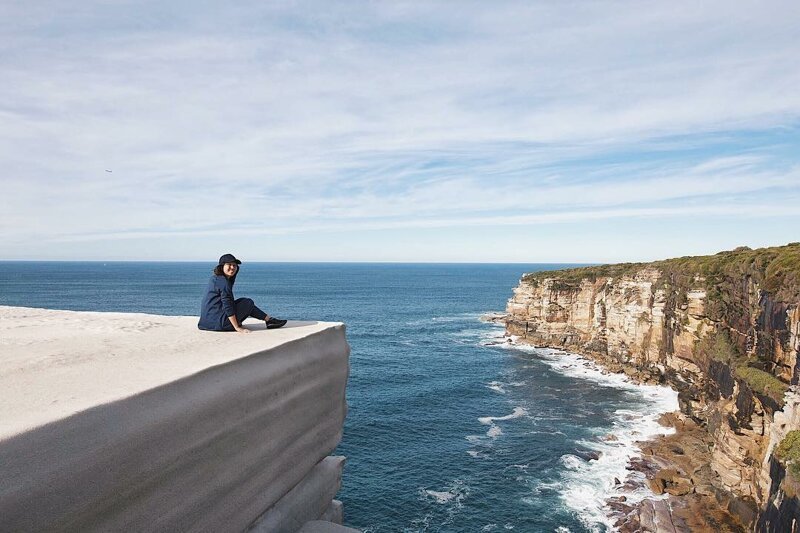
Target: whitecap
494, 431
518, 412
496, 386
539, 486
440, 496
570, 461
457, 318
451, 496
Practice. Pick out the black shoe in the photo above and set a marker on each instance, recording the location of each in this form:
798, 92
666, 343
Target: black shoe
275, 323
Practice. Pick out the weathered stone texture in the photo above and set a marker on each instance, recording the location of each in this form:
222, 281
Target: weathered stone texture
647, 322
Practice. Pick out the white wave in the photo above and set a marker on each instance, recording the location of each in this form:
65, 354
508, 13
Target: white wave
441, 496
458, 318
496, 386
540, 486
587, 485
546, 433
500, 386
451, 497
494, 430
571, 462
518, 412
490, 336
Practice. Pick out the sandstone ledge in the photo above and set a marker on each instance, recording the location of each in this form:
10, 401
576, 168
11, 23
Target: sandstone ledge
116, 421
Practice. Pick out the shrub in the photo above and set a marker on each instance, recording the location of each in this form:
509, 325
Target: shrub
775, 269
718, 346
788, 452
763, 382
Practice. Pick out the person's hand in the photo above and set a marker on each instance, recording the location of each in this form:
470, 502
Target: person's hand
243, 330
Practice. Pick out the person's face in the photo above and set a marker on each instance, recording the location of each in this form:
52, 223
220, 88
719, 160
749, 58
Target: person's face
229, 269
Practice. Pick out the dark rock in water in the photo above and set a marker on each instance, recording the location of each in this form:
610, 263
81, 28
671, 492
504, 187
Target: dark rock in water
631, 485
618, 507
588, 455
646, 467
617, 481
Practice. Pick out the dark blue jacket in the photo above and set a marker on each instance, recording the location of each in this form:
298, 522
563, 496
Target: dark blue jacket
217, 304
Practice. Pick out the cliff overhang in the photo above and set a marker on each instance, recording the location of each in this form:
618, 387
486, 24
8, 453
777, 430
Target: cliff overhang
133, 422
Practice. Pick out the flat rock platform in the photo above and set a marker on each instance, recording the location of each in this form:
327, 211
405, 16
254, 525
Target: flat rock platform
121, 421
57, 363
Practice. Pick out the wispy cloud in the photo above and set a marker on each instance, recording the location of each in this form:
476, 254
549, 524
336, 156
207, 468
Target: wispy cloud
309, 116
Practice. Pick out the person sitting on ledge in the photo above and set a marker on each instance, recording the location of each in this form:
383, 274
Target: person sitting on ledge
219, 311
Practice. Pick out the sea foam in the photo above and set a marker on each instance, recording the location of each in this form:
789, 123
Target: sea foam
586, 485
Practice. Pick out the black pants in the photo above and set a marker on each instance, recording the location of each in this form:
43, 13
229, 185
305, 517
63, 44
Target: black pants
245, 307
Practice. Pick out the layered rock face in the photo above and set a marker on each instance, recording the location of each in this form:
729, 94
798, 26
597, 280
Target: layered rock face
723, 330
129, 422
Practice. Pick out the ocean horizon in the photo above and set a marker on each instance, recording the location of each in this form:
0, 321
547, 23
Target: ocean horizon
451, 427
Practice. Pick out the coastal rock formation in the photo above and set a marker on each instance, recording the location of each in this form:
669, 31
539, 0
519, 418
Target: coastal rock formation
723, 330
130, 422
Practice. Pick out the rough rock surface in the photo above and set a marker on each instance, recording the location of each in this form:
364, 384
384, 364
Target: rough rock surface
723, 330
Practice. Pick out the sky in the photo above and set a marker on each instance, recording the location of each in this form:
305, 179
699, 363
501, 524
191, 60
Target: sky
430, 131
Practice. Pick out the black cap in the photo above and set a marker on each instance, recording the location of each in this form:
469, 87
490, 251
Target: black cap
228, 258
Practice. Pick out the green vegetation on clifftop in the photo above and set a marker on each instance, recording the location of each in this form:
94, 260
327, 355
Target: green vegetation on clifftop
775, 269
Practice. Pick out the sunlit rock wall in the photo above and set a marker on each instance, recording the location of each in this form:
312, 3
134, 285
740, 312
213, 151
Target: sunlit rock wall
648, 325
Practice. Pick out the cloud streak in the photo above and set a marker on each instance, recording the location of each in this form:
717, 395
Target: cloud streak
309, 116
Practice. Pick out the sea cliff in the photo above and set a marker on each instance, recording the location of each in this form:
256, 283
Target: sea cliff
724, 331
134, 422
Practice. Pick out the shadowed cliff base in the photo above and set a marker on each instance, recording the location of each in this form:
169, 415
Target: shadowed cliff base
724, 331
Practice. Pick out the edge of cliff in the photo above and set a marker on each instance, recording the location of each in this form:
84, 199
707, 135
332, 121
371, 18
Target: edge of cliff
724, 331
137, 422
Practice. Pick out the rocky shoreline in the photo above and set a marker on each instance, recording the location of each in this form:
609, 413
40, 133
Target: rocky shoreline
724, 332
676, 470
678, 465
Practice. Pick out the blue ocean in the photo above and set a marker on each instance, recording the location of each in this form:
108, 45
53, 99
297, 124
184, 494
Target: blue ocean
451, 427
